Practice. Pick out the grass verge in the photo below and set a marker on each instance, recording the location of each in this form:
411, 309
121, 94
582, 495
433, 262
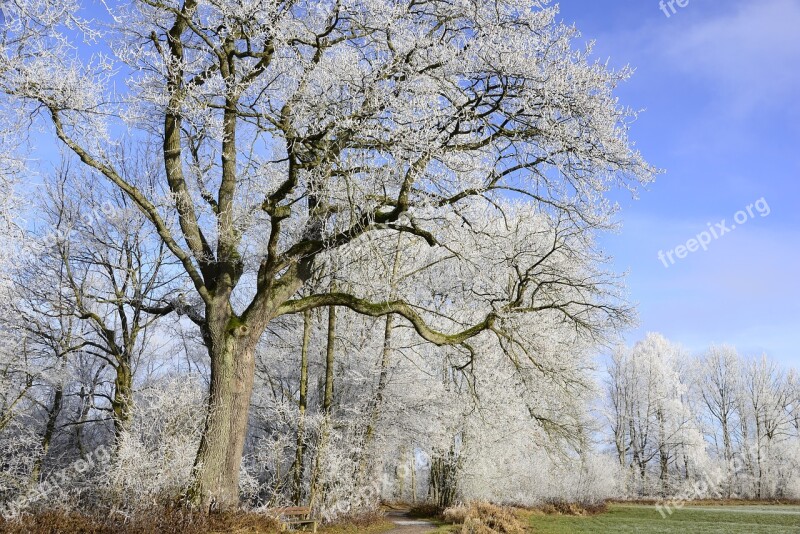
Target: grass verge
695, 519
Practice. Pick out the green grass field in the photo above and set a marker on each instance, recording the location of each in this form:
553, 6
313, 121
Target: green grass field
629, 519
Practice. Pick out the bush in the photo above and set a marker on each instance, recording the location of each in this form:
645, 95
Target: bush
571, 508
474, 526
456, 514
155, 457
19, 448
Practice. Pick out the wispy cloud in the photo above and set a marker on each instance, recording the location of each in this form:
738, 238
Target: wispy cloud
750, 55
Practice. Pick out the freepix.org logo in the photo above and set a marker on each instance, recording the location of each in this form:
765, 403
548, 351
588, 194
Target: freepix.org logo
670, 7
715, 231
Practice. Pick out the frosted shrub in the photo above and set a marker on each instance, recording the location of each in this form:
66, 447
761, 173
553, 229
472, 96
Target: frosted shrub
335, 479
342, 492
155, 456
597, 480
19, 448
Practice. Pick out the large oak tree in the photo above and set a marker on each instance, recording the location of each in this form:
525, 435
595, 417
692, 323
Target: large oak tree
291, 131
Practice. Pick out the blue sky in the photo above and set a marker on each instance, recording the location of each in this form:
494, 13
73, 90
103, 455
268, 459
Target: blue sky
719, 85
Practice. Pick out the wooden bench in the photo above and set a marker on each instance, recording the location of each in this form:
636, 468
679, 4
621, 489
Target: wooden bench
295, 515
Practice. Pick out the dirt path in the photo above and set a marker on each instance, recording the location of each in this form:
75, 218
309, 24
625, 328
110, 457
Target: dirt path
407, 524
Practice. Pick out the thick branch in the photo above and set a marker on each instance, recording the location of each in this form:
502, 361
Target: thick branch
146, 207
379, 309
173, 163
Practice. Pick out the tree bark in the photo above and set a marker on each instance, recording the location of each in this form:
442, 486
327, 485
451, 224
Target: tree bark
49, 432
663, 455
374, 407
726, 438
302, 405
327, 405
330, 355
231, 346
122, 404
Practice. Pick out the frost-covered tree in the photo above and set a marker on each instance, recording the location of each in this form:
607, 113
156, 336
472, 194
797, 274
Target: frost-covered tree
20, 370
714, 425
651, 419
113, 277
765, 420
292, 130
718, 381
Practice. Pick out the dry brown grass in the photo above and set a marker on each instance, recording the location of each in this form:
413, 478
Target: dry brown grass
180, 521
485, 518
474, 526
571, 508
367, 522
456, 515
163, 521
348, 528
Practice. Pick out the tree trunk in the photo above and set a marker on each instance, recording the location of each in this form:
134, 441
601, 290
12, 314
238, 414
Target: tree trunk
637, 461
413, 477
122, 404
619, 440
444, 477
327, 404
662, 453
215, 481
49, 432
759, 433
400, 475
330, 352
374, 407
301, 423
726, 438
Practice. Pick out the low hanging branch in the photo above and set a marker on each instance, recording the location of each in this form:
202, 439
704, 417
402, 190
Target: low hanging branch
380, 309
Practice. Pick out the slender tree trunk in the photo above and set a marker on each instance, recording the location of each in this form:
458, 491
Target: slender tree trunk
413, 477
330, 353
327, 404
377, 401
726, 439
303, 404
400, 475
49, 432
637, 462
619, 437
663, 455
374, 408
444, 477
759, 491
85, 404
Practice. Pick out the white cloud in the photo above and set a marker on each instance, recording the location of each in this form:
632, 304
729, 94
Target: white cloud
751, 55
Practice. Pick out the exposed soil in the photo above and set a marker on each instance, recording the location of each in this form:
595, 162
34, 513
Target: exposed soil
407, 524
